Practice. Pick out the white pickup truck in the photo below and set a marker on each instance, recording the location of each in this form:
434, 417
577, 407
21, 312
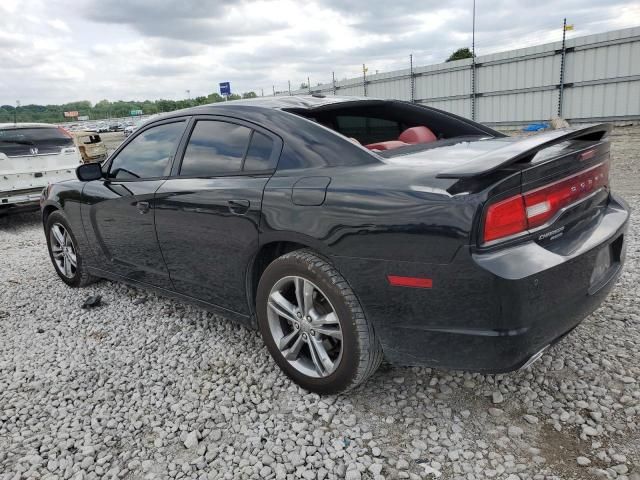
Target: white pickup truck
32, 155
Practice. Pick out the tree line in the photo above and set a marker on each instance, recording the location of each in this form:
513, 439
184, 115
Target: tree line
104, 108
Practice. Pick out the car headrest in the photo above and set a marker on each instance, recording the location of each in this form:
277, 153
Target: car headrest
419, 134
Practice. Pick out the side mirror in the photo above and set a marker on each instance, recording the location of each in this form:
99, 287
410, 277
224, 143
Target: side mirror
89, 171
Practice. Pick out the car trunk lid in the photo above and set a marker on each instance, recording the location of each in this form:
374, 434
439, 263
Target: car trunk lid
542, 186
511, 150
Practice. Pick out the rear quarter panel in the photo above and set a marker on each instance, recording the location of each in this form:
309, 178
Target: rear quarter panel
373, 211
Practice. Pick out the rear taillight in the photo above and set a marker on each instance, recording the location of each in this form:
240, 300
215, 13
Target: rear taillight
534, 208
505, 218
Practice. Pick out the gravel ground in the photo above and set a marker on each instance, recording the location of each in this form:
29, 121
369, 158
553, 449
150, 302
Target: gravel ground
112, 140
145, 387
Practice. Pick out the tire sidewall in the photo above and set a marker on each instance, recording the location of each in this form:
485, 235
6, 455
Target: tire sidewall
57, 217
345, 373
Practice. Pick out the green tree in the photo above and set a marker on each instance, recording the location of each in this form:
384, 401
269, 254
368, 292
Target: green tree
234, 96
460, 54
214, 98
249, 95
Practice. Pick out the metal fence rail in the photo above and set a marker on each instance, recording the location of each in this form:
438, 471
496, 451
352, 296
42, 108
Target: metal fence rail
600, 81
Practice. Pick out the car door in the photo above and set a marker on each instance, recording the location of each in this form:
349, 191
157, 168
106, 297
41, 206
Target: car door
208, 212
118, 211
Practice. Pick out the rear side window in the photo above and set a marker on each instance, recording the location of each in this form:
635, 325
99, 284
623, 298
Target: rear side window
215, 148
223, 148
148, 154
259, 154
368, 129
35, 140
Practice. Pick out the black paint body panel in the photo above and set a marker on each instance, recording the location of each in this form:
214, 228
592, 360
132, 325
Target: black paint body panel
490, 307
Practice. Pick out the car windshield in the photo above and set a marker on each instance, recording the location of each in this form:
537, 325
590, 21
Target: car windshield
33, 140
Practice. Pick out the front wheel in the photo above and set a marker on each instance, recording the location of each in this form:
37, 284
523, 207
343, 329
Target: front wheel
64, 252
314, 326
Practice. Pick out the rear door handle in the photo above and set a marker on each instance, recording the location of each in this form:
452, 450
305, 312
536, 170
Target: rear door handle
143, 207
239, 207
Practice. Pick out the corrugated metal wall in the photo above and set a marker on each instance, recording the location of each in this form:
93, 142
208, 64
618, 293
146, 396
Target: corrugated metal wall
602, 82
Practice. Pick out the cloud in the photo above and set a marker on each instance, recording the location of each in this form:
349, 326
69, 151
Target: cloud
147, 49
188, 20
58, 24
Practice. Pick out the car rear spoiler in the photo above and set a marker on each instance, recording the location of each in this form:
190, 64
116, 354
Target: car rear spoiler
520, 150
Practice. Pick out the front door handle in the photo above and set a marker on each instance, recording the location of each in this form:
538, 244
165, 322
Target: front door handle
239, 207
143, 207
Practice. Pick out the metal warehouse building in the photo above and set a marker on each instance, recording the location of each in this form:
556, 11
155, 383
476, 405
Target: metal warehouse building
601, 82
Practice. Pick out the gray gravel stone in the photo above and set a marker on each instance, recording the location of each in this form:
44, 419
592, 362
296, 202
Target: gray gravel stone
191, 440
164, 390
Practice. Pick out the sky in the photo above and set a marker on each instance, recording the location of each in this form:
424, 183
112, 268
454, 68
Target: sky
57, 51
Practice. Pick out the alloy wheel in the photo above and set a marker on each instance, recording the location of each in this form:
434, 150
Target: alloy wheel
63, 250
305, 327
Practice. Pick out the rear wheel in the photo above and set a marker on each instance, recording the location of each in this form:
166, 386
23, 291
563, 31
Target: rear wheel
64, 252
314, 326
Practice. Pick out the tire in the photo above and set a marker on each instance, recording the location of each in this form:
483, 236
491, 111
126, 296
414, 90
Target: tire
77, 276
359, 352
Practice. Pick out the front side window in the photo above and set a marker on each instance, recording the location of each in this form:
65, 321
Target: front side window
148, 154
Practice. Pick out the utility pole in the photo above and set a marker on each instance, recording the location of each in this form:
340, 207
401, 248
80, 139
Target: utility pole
333, 81
262, 92
309, 85
289, 82
364, 79
562, 61
15, 112
413, 81
274, 90
473, 64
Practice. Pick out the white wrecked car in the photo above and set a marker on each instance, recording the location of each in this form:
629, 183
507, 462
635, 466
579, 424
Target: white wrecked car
32, 155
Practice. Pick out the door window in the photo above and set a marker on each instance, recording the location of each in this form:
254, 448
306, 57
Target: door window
215, 148
148, 154
223, 148
259, 154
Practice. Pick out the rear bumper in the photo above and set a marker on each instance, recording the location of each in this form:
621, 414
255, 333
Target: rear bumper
14, 202
489, 312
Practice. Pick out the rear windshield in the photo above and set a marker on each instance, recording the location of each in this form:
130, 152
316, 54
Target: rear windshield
88, 139
32, 141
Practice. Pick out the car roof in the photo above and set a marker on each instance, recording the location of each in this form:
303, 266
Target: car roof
4, 126
297, 102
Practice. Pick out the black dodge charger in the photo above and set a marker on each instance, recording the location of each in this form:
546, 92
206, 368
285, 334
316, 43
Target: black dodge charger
351, 229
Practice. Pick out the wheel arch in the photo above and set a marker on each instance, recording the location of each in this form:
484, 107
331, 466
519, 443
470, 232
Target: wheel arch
48, 210
267, 252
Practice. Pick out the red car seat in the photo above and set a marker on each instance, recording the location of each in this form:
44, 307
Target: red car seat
419, 134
